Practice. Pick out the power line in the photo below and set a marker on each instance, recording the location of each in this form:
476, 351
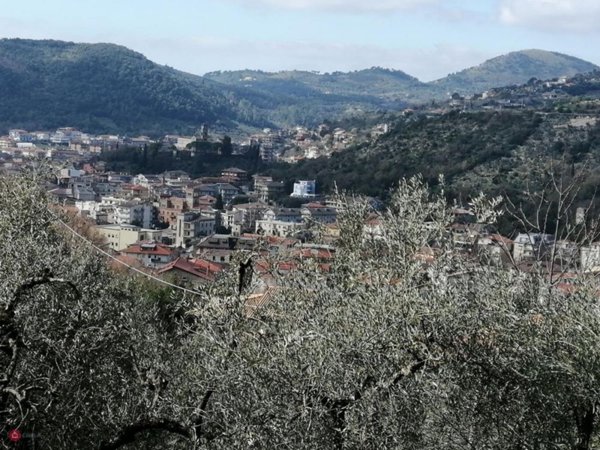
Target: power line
135, 269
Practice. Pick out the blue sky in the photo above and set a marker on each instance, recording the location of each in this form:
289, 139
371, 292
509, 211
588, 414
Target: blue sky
425, 38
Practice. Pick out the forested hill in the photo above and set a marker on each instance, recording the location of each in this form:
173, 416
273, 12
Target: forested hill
109, 88
101, 88
513, 68
367, 89
493, 152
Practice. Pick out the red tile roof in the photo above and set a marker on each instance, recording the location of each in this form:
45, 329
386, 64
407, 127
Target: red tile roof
149, 248
200, 268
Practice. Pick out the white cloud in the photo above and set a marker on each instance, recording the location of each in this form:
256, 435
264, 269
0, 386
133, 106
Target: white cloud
344, 6
552, 15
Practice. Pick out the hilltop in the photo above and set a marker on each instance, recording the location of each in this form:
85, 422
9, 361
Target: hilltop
100, 87
109, 88
513, 68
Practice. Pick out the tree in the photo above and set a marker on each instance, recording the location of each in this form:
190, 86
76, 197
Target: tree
226, 146
219, 203
399, 342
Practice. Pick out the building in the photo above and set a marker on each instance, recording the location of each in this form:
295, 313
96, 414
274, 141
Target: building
176, 178
267, 189
236, 176
305, 189
242, 218
181, 142
147, 180
170, 207
282, 228
532, 246
133, 212
319, 214
192, 225
590, 258
495, 248
118, 237
192, 272
151, 254
82, 191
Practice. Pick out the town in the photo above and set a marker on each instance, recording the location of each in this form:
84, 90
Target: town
189, 230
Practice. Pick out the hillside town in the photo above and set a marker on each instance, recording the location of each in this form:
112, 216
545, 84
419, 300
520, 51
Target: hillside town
68, 145
190, 230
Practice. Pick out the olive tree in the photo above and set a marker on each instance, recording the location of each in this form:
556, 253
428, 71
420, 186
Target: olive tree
400, 342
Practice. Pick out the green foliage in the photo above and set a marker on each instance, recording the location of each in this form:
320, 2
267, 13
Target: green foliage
514, 68
205, 161
108, 88
383, 351
453, 145
101, 88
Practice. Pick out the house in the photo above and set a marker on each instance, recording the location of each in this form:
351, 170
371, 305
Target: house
192, 271
151, 254
531, 246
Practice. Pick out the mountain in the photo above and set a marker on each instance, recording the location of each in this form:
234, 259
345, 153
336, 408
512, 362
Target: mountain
307, 98
109, 88
101, 87
513, 68
374, 82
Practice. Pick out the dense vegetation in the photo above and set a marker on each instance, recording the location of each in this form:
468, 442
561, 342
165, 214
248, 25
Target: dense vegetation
108, 88
101, 88
493, 152
382, 352
513, 69
207, 160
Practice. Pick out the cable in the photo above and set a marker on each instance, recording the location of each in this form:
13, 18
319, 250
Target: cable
105, 253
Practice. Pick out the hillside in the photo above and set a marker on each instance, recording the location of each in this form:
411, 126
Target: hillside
100, 87
494, 152
307, 98
375, 82
513, 68
109, 88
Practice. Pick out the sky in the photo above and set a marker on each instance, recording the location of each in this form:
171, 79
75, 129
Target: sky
425, 38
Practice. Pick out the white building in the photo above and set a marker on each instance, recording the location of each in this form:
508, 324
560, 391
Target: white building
278, 227
132, 212
305, 189
590, 258
531, 246
280, 222
191, 225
